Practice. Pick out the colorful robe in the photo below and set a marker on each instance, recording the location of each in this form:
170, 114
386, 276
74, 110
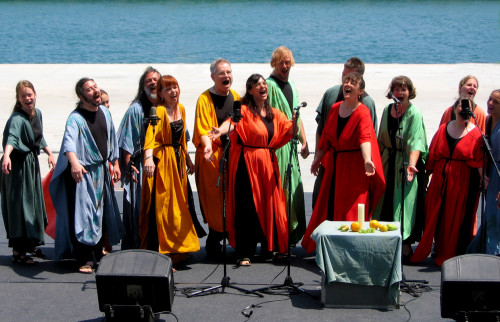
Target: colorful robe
345, 171
251, 139
23, 206
175, 229
93, 213
480, 115
452, 196
207, 172
131, 139
298, 213
415, 139
489, 232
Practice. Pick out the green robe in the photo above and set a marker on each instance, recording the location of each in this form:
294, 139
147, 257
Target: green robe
297, 214
23, 206
415, 139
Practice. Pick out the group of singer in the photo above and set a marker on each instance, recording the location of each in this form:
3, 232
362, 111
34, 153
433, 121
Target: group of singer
247, 170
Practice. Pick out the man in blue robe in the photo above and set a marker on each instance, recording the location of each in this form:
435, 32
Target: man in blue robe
81, 187
131, 135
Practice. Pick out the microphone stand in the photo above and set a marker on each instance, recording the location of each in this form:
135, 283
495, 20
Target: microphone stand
288, 284
404, 182
225, 282
488, 152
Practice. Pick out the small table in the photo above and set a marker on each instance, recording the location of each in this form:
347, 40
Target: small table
359, 270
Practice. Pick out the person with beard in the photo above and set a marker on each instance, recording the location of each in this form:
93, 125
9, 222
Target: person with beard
23, 206
81, 187
165, 223
333, 95
214, 106
283, 96
468, 86
412, 130
131, 134
455, 162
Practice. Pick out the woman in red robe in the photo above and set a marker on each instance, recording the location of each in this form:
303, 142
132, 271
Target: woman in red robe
348, 150
256, 201
451, 201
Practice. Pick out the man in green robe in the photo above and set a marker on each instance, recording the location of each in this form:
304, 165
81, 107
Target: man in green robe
283, 95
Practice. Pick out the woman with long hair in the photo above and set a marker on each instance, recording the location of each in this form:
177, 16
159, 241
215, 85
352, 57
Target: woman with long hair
256, 211
23, 206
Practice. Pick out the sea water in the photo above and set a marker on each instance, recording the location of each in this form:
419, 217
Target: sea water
248, 31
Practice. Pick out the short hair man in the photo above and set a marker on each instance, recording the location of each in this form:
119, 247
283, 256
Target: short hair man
214, 106
283, 95
333, 95
131, 134
81, 187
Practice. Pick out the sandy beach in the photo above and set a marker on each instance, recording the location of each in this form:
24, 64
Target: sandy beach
436, 85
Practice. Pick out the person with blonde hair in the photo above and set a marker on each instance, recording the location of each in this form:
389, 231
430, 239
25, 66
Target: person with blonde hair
23, 206
283, 95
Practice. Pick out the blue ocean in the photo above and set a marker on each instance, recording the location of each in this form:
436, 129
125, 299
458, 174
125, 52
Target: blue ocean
197, 31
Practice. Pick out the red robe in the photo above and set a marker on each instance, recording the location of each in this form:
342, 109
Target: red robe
344, 164
448, 193
263, 172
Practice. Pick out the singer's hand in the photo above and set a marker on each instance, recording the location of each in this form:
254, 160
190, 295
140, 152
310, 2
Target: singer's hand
412, 170
190, 166
131, 175
77, 171
117, 174
149, 167
215, 133
369, 168
208, 153
304, 151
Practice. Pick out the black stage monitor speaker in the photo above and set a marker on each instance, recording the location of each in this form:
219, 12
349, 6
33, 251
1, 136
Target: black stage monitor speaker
135, 278
470, 283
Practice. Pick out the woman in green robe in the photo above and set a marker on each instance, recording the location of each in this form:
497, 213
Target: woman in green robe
23, 206
412, 131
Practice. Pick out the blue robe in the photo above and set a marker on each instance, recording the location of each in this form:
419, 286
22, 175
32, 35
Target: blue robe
92, 211
487, 240
131, 139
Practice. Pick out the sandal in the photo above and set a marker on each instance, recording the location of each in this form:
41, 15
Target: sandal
245, 262
87, 268
23, 259
37, 252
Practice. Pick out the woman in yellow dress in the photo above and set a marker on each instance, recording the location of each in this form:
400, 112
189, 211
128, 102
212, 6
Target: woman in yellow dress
165, 223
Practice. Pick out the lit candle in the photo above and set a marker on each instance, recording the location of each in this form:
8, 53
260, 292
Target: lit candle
361, 214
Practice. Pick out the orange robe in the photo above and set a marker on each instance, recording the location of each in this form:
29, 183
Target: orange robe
480, 115
206, 173
263, 172
176, 232
345, 171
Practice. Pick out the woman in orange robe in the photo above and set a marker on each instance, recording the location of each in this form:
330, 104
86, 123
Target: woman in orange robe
256, 201
348, 149
165, 223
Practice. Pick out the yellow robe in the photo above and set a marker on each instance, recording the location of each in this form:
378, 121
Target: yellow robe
206, 173
176, 232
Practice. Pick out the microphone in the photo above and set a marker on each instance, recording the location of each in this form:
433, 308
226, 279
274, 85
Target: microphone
391, 96
466, 111
236, 115
153, 119
303, 104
